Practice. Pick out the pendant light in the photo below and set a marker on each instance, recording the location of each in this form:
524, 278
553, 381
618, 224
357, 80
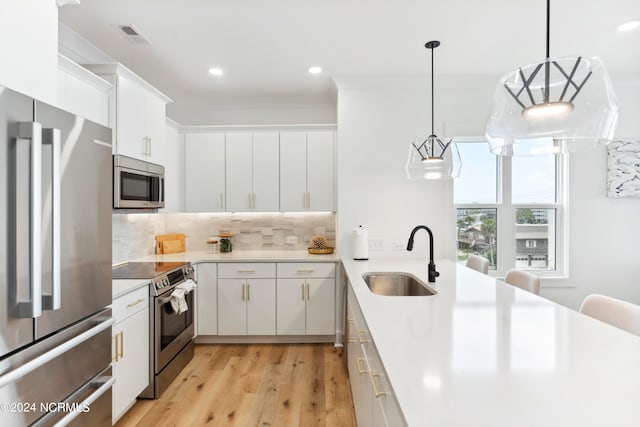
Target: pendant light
432, 158
555, 106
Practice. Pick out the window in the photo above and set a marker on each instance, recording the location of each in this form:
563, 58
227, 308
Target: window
510, 209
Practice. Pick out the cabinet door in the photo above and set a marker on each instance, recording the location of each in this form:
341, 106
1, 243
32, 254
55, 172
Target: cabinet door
321, 306
207, 299
293, 171
155, 122
358, 370
131, 369
291, 306
238, 171
320, 171
266, 172
261, 307
204, 172
232, 307
130, 110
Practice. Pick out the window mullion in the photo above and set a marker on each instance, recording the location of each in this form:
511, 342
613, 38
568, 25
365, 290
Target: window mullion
506, 216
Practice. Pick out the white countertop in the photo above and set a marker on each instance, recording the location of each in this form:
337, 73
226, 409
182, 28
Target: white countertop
484, 353
124, 286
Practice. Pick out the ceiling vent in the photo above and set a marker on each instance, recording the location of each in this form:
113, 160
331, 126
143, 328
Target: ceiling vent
133, 34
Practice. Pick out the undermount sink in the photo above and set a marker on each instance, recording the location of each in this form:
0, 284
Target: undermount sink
396, 284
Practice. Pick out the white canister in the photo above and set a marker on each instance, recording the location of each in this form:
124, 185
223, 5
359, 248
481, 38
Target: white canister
360, 243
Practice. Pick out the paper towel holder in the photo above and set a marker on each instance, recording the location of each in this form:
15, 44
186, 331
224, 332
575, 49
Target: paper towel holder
360, 243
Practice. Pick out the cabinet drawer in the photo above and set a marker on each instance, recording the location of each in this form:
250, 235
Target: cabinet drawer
130, 303
306, 269
242, 270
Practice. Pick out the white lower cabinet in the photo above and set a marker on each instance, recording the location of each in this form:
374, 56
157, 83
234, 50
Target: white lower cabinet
306, 299
207, 299
247, 299
373, 400
130, 349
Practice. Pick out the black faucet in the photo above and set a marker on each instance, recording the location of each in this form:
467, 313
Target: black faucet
432, 267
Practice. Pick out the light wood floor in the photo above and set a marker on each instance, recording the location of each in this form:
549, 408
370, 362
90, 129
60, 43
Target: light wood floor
253, 385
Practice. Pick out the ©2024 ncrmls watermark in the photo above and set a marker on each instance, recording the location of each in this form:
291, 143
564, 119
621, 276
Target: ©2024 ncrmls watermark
22, 407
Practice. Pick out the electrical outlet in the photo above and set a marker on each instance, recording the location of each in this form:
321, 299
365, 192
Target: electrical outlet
376, 244
292, 240
398, 246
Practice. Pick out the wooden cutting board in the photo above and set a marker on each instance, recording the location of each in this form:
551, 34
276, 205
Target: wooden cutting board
169, 243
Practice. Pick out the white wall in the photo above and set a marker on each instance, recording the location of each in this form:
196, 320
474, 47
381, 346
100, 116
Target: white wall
375, 123
604, 236
29, 46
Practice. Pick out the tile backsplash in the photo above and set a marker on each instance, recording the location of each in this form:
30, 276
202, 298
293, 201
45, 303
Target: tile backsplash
134, 233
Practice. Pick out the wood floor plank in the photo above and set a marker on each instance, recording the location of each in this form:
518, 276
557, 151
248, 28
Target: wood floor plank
257, 385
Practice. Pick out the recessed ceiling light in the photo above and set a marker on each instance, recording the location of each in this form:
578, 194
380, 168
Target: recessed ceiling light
629, 25
215, 71
315, 70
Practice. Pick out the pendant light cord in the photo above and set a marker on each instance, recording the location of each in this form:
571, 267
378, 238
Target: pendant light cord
547, 64
548, 20
432, 94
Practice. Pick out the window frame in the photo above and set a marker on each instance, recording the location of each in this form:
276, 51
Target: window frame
506, 214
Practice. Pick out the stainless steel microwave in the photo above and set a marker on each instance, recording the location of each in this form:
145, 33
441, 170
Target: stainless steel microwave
137, 184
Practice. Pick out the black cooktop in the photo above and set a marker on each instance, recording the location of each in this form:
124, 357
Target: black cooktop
144, 270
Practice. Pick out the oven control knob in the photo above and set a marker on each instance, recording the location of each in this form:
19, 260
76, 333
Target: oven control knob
166, 281
158, 285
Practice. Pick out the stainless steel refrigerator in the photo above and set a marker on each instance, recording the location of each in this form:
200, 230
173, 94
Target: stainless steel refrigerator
55, 266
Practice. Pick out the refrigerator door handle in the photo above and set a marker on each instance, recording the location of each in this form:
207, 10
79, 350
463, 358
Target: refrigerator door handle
53, 300
32, 131
104, 384
34, 364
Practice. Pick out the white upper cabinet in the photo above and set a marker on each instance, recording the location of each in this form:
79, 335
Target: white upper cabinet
205, 172
252, 171
82, 92
29, 46
307, 171
137, 114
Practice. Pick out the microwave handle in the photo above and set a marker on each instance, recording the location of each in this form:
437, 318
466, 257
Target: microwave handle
161, 195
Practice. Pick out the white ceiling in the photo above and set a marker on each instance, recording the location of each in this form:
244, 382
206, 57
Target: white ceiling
266, 46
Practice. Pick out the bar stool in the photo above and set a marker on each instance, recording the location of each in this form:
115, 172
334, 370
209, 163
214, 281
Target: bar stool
478, 263
618, 313
523, 280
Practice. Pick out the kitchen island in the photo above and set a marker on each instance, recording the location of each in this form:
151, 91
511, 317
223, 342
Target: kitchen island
484, 353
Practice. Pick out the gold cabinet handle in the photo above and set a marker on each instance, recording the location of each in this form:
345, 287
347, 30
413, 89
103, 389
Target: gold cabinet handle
376, 392
119, 344
304, 200
306, 270
136, 302
243, 296
248, 291
350, 339
302, 290
360, 370
307, 292
221, 201
308, 200
246, 271
359, 333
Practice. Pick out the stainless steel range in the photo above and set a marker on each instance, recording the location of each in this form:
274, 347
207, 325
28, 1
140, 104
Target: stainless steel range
171, 322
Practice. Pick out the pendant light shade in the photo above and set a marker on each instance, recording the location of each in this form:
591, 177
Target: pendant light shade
568, 103
433, 158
